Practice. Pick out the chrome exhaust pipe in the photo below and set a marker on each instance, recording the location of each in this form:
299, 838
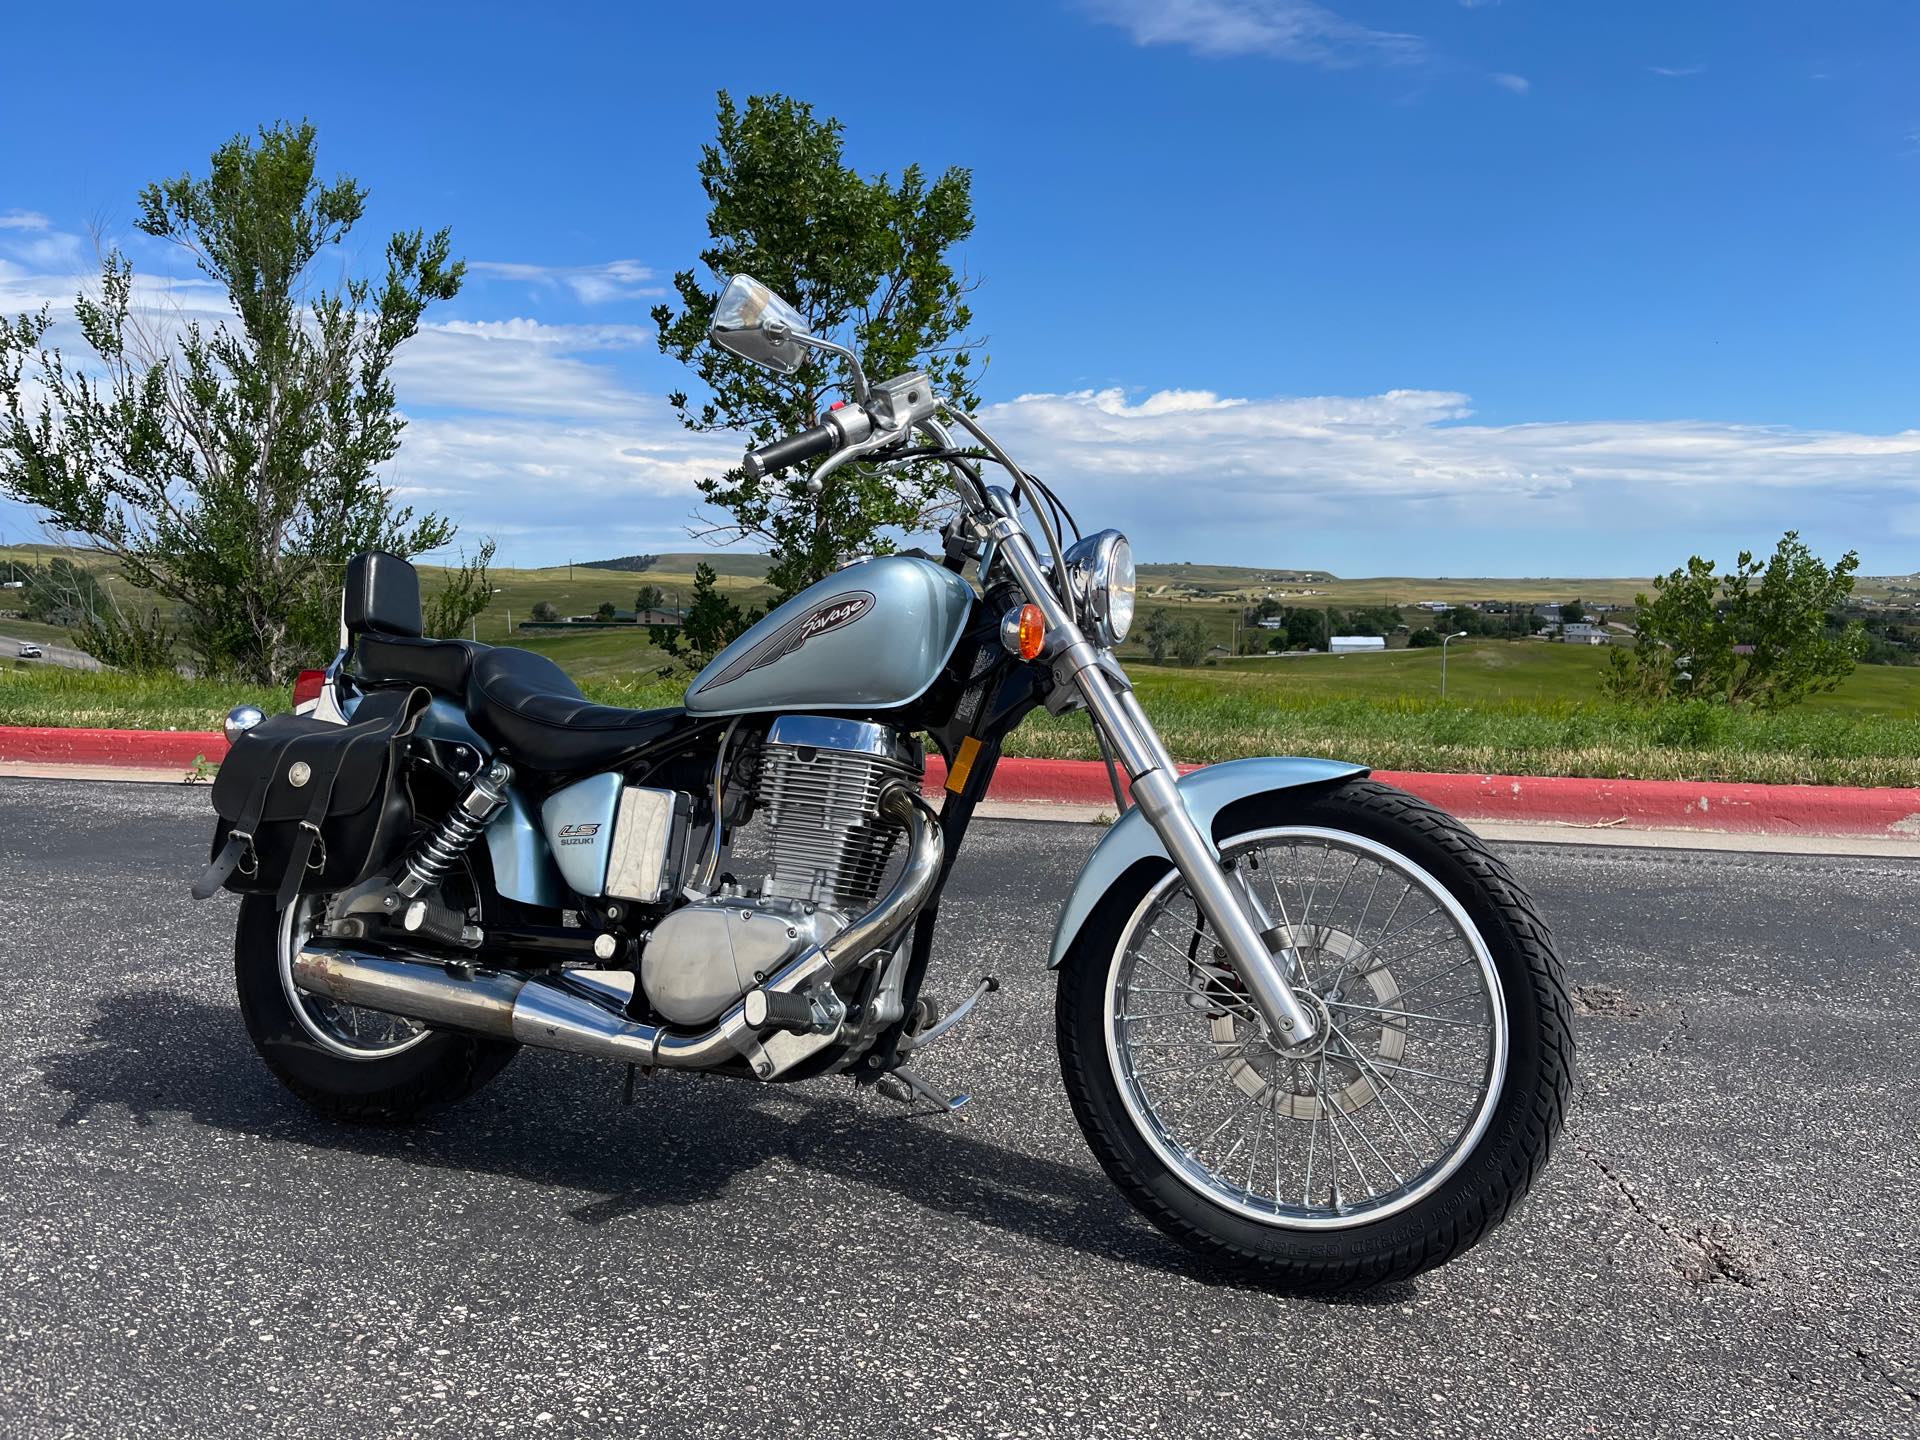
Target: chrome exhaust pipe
401, 982
559, 1012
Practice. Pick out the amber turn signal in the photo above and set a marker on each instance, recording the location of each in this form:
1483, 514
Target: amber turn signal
1024, 631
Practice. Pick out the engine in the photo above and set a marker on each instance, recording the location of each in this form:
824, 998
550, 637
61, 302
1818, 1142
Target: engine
819, 783
825, 853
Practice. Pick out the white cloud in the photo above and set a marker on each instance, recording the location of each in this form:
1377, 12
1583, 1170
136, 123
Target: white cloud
1677, 72
24, 220
1228, 477
516, 367
1518, 84
1296, 30
590, 284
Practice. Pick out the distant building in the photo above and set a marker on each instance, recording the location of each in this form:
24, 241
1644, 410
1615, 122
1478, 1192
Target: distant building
1271, 624
1576, 633
1434, 606
1355, 644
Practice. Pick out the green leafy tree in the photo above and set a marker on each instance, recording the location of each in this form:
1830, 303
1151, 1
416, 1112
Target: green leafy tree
1306, 629
1573, 612
865, 259
467, 592
1425, 638
1158, 634
544, 612
648, 598
233, 472
606, 610
1766, 633
1190, 642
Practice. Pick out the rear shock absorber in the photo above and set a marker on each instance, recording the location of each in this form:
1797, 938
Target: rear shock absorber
434, 856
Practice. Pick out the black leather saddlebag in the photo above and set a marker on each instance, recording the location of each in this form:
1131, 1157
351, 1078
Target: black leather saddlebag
307, 806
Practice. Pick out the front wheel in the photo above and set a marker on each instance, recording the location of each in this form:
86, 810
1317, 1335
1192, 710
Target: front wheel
1422, 1108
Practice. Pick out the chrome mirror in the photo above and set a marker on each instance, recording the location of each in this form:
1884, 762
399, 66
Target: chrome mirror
754, 323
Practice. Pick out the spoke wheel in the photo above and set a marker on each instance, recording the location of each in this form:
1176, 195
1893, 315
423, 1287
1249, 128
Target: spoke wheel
1398, 1082
349, 1031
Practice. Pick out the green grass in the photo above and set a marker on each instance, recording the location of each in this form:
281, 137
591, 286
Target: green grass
1204, 719
1525, 709
32, 694
1519, 707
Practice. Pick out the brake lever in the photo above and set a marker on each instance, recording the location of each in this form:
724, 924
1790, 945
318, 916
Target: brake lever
879, 440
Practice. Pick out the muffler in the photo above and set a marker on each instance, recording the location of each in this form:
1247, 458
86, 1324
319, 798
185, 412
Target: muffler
564, 1012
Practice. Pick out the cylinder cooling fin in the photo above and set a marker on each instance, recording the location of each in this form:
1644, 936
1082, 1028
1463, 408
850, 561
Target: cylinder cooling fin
819, 785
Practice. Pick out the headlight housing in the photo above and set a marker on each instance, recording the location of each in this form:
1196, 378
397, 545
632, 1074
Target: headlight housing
1102, 569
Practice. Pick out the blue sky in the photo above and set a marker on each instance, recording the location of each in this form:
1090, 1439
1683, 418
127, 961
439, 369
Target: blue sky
1387, 286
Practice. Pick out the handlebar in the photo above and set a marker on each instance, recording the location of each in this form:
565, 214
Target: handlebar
769, 459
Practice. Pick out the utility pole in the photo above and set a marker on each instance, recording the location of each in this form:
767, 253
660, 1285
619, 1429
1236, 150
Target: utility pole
1444, 642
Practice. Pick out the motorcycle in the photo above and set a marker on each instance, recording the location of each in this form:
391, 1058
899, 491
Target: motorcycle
1309, 1024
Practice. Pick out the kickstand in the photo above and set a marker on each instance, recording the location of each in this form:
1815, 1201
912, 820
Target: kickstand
906, 1086
632, 1070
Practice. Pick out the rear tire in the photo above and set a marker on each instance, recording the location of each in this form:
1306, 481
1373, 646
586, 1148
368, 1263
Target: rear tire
400, 1080
1334, 1245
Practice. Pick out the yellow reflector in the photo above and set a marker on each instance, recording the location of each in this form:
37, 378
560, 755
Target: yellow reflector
963, 765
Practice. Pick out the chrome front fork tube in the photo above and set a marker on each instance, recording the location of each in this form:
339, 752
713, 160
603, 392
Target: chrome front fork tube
1229, 907
1223, 898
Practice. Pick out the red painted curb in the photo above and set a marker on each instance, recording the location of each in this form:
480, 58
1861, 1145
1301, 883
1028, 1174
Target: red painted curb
138, 749
1622, 804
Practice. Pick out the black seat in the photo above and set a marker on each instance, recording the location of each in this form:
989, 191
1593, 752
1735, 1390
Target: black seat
525, 703
444, 666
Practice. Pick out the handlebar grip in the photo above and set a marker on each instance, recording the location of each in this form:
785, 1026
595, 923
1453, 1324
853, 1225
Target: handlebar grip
791, 451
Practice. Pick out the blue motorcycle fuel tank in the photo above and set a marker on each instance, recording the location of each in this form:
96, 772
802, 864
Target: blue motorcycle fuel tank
870, 637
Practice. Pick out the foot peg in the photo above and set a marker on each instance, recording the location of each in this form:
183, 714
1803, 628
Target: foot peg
780, 1009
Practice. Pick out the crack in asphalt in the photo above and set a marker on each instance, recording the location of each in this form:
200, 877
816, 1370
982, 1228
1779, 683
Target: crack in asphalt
1875, 1370
1711, 1258
1681, 1032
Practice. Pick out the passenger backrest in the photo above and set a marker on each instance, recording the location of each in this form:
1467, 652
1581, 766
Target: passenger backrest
382, 596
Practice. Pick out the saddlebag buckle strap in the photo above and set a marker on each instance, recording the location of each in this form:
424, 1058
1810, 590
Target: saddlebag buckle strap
310, 850
239, 847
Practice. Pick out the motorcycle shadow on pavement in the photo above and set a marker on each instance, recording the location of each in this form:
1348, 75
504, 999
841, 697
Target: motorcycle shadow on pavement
157, 1052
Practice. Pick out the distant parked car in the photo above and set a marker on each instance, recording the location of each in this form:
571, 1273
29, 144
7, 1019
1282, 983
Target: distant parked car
29, 651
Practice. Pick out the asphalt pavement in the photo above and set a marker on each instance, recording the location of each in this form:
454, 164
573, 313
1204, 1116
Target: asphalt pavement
1724, 1244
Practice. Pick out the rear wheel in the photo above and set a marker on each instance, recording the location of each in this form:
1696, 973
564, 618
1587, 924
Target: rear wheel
1413, 1120
347, 1062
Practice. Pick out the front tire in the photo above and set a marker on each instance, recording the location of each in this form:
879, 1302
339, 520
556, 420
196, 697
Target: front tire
349, 1064
1400, 1137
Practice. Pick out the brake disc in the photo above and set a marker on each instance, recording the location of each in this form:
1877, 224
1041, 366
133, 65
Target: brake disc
1305, 1082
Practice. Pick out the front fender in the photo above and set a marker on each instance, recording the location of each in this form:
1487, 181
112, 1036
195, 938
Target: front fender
1207, 792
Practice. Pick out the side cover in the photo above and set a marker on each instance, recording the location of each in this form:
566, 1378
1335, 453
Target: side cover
870, 637
1207, 792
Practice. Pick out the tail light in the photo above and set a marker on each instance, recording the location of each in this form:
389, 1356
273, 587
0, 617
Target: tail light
306, 689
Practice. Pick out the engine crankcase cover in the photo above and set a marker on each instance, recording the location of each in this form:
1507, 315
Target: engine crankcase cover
704, 956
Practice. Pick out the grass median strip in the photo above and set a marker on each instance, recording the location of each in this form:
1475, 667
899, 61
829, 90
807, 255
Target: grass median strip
1210, 715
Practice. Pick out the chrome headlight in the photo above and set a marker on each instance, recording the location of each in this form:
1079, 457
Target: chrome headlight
1102, 569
